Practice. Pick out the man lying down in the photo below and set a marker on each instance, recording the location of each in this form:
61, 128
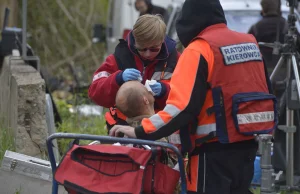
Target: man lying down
136, 103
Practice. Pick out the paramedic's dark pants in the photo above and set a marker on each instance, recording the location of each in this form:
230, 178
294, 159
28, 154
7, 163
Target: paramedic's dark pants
223, 168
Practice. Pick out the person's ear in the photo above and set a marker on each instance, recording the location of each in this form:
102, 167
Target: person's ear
146, 101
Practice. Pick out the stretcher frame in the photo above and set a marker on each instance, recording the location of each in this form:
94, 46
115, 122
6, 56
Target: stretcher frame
111, 140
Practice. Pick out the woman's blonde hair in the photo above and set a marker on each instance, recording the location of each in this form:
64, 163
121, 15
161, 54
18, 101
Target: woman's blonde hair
149, 29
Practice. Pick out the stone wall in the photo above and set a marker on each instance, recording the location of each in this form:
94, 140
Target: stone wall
22, 106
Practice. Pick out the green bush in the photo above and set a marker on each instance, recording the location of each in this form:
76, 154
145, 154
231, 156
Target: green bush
82, 125
76, 123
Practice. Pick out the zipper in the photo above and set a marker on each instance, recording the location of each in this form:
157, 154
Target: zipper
221, 100
152, 178
143, 177
188, 172
163, 72
144, 69
204, 174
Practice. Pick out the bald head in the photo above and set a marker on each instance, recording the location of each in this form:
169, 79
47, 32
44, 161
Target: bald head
134, 100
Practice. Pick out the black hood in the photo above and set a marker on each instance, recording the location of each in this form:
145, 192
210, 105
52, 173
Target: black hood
148, 3
195, 16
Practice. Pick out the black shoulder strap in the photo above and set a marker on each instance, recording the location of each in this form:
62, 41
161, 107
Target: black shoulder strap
124, 57
206, 138
255, 30
278, 31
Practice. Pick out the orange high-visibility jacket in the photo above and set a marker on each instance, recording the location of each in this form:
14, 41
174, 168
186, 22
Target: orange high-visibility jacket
221, 82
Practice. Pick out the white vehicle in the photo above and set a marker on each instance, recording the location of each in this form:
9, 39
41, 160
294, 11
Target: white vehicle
121, 18
240, 14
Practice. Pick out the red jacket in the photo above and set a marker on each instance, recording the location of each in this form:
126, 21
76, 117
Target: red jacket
108, 77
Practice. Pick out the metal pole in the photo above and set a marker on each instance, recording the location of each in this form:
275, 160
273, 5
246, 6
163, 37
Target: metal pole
289, 133
267, 178
276, 69
295, 68
292, 7
24, 28
290, 149
51, 124
5, 23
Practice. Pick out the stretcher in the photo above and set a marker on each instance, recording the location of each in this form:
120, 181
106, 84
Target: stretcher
108, 141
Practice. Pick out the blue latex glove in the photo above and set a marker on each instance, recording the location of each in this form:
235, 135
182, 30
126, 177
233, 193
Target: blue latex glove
131, 74
156, 88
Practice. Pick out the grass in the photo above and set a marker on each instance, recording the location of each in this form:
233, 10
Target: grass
75, 123
257, 191
6, 141
82, 125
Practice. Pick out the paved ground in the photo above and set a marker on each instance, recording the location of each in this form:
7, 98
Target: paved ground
11, 183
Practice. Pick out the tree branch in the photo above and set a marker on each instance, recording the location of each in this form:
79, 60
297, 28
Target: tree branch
64, 9
78, 27
72, 58
91, 13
